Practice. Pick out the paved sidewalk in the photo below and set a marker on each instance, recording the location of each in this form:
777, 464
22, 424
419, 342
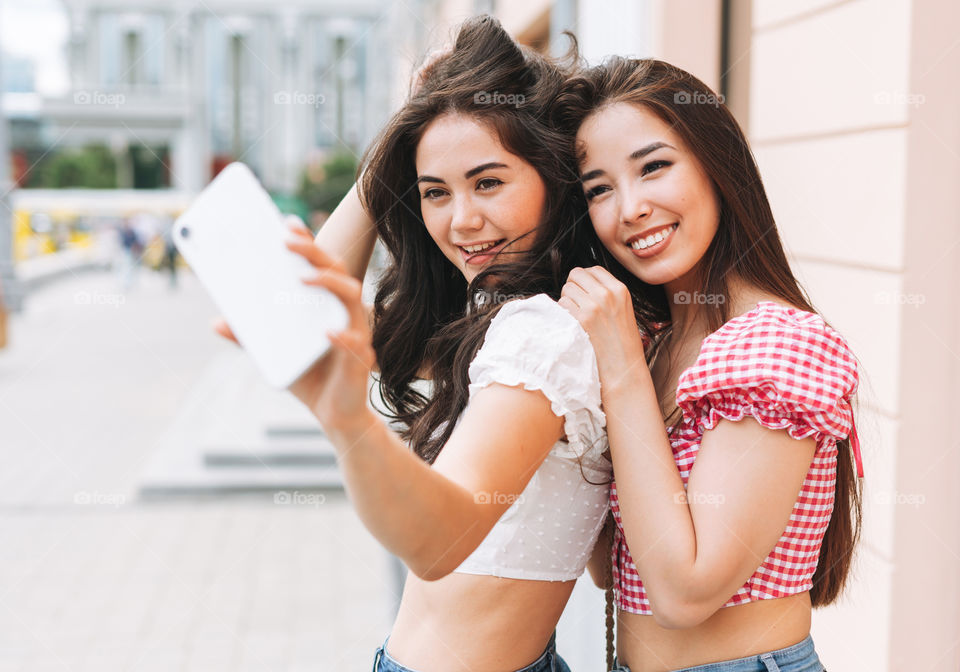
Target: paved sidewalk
92, 579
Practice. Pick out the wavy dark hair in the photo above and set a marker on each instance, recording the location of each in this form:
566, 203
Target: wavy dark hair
747, 243
426, 317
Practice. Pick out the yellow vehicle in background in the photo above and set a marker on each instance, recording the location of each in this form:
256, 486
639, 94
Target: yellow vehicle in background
39, 233
47, 221
26, 243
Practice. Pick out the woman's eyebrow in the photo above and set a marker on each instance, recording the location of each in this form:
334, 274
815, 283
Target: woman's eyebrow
638, 154
586, 177
467, 175
486, 166
652, 147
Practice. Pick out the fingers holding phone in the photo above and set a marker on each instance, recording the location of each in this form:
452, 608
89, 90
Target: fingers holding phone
330, 274
219, 324
335, 389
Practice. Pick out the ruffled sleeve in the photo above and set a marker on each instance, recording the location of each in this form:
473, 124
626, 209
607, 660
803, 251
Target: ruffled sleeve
784, 367
536, 344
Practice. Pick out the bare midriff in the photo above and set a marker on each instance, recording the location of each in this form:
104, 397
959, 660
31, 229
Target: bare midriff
475, 623
732, 632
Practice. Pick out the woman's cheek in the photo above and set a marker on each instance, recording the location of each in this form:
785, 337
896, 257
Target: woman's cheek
598, 218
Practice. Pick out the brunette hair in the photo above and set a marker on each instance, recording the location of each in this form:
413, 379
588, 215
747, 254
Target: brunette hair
746, 242
426, 316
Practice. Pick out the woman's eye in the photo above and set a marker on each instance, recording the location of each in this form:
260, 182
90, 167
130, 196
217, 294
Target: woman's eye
488, 183
432, 193
654, 166
596, 191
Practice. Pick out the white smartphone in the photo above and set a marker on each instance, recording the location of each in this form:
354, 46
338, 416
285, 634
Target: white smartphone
232, 236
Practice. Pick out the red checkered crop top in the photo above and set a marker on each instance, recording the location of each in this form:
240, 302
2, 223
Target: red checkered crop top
789, 370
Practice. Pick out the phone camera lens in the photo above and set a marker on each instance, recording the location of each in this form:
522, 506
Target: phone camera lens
185, 232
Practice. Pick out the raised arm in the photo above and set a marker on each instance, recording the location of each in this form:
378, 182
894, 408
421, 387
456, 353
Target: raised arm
349, 235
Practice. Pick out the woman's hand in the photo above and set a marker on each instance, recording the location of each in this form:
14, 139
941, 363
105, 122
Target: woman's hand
604, 308
335, 387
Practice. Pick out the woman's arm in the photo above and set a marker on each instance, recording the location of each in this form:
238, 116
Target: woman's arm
349, 235
694, 548
431, 518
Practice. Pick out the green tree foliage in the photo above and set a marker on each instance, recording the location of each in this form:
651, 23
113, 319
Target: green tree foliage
92, 167
323, 189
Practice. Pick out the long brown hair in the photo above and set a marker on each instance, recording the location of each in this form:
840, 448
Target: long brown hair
746, 244
426, 317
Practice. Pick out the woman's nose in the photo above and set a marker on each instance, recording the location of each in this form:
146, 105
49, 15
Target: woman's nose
634, 205
466, 217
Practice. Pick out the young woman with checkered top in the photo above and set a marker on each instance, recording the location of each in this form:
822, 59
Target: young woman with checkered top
736, 503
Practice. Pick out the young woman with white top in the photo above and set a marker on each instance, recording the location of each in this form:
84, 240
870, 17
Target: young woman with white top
497, 507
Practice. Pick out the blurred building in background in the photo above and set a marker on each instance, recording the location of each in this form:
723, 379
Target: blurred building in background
162, 95
186, 87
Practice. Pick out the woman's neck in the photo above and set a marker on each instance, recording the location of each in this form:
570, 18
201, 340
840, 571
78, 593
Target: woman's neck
689, 304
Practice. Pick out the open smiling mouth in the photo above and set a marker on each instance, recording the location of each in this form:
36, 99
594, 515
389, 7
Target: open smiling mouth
481, 253
653, 242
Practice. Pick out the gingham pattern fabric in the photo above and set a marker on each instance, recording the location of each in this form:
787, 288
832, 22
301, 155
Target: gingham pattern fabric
788, 370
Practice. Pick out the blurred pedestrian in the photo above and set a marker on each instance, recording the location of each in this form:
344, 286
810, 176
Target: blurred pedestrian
170, 253
131, 249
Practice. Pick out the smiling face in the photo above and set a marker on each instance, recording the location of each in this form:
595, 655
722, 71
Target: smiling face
475, 196
651, 203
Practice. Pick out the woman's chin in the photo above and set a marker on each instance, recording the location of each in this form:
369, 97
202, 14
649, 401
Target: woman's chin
657, 270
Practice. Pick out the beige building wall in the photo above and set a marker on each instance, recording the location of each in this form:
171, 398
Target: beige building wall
687, 34
854, 118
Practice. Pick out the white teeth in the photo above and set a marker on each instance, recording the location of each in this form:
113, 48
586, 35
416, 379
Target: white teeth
473, 249
653, 239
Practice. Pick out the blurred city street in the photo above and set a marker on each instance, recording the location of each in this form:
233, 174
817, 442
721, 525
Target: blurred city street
162, 508
96, 579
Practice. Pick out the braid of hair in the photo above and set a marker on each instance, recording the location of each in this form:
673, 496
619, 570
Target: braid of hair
610, 646
608, 595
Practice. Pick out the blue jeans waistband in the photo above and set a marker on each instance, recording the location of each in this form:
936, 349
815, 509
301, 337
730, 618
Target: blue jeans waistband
549, 660
800, 657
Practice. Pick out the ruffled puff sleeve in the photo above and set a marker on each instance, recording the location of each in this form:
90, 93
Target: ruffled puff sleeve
536, 344
784, 367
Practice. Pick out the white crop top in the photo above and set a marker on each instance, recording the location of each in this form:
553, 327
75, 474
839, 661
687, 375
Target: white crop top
549, 531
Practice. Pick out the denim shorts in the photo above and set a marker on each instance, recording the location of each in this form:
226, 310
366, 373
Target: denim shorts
800, 657
549, 661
